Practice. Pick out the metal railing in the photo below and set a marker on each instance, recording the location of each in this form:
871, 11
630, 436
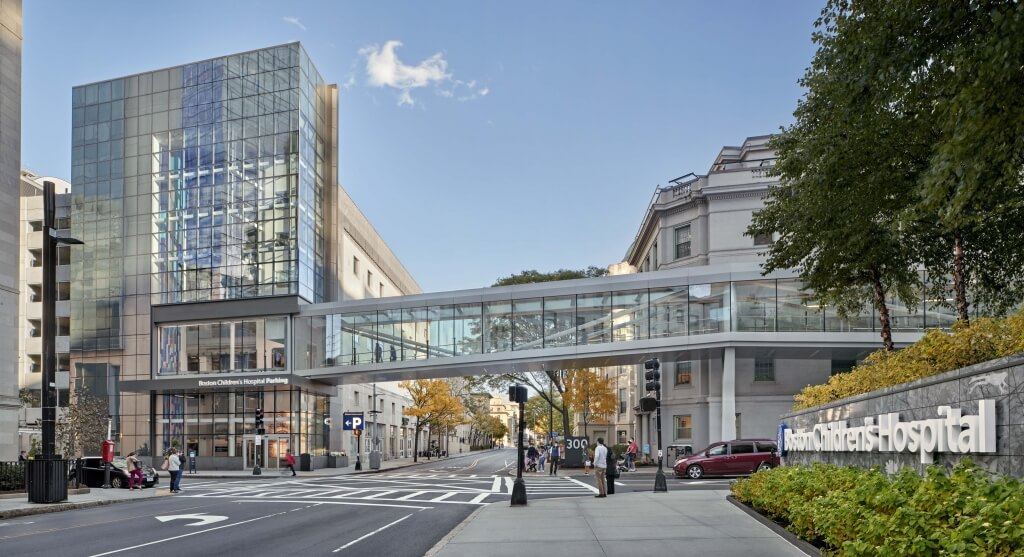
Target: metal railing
14, 475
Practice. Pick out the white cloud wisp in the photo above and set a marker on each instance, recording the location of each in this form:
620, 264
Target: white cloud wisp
384, 69
294, 21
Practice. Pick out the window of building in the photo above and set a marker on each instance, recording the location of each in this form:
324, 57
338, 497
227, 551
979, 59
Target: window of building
739, 426
355, 398
842, 366
63, 291
682, 237
36, 225
684, 427
683, 371
62, 223
622, 401
380, 290
654, 257
369, 278
622, 437
355, 266
63, 255
764, 369
63, 362
762, 239
63, 326
646, 267
35, 364
37, 257
35, 328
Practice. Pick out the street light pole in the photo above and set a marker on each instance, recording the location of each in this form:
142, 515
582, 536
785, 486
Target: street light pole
47, 476
653, 376
517, 393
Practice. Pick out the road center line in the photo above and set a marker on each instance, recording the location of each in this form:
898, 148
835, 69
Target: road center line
187, 535
382, 528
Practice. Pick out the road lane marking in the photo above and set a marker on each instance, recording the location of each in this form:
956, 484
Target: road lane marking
379, 495
349, 503
588, 486
479, 498
382, 528
187, 535
496, 486
443, 497
411, 495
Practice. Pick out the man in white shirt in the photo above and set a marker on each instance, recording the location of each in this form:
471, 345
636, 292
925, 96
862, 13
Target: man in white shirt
600, 467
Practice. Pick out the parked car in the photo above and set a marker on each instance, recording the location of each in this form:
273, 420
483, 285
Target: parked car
92, 473
729, 458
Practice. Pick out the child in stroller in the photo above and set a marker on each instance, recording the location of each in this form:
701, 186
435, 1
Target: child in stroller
531, 464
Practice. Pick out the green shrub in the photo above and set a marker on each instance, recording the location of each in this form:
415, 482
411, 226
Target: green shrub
936, 352
850, 511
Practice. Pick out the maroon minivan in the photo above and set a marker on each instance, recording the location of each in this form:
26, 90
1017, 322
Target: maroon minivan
729, 458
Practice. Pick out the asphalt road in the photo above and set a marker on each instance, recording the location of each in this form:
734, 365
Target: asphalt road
399, 514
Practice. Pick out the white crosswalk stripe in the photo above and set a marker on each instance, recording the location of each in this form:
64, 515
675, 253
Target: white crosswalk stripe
397, 488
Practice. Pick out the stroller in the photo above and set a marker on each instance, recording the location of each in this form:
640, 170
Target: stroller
620, 465
531, 464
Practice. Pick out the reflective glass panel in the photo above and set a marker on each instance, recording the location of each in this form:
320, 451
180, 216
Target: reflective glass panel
415, 334
497, 326
559, 321
593, 313
709, 308
527, 324
754, 305
468, 327
389, 333
630, 315
797, 309
442, 331
668, 311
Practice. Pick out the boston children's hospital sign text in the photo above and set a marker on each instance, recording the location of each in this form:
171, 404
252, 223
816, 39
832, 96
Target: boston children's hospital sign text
950, 432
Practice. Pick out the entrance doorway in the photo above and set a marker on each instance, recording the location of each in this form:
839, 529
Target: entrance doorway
271, 451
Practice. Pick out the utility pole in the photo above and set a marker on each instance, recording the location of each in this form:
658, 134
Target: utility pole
374, 453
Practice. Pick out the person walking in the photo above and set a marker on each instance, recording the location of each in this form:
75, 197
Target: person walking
134, 471
556, 453
174, 468
601, 468
587, 459
289, 458
542, 457
631, 452
21, 457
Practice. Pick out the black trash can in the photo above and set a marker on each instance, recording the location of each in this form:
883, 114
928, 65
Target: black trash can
305, 463
46, 480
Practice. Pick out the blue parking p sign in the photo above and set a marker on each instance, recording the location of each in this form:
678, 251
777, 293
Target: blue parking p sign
352, 421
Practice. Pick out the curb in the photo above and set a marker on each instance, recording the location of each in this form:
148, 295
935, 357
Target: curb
59, 507
441, 543
24, 495
790, 537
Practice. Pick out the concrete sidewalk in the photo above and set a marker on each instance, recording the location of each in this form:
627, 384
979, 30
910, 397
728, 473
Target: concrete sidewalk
675, 523
11, 508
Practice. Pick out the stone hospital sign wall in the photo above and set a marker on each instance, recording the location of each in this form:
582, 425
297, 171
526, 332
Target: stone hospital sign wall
975, 412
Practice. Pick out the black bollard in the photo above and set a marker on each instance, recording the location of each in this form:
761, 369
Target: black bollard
612, 472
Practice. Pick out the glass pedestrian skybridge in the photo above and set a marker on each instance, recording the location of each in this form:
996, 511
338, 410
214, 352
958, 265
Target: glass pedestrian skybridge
593, 322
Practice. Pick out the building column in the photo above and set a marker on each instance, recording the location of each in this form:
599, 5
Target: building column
729, 394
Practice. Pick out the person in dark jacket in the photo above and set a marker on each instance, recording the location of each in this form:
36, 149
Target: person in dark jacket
612, 470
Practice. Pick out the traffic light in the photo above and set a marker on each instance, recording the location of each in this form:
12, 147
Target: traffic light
648, 404
517, 393
652, 375
259, 422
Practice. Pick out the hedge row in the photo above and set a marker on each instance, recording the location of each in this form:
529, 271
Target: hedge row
937, 352
850, 511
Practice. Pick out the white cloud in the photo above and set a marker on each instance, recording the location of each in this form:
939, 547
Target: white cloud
384, 69
294, 21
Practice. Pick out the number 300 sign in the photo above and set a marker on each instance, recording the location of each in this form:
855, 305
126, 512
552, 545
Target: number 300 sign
575, 450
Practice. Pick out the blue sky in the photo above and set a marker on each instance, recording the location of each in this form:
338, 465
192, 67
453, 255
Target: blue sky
499, 136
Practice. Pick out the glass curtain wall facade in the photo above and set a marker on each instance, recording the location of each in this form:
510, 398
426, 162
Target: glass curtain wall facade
770, 305
200, 182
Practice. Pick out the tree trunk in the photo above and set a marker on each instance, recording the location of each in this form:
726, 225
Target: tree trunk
960, 279
565, 421
883, 311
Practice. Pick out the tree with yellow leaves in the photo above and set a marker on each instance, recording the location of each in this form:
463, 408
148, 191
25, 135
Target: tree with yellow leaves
590, 394
434, 404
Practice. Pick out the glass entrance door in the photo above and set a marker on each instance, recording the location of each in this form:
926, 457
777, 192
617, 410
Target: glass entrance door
277, 448
252, 450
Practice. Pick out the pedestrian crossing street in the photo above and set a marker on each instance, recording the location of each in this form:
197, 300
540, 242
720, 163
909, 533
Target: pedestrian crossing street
407, 490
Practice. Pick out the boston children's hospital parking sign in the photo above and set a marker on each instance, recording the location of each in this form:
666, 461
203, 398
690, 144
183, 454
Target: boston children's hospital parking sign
949, 432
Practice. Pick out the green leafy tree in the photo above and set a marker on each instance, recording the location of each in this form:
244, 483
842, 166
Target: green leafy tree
590, 394
83, 426
531, 276
847, 167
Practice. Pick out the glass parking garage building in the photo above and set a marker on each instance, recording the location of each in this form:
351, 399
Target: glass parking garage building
202, 193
